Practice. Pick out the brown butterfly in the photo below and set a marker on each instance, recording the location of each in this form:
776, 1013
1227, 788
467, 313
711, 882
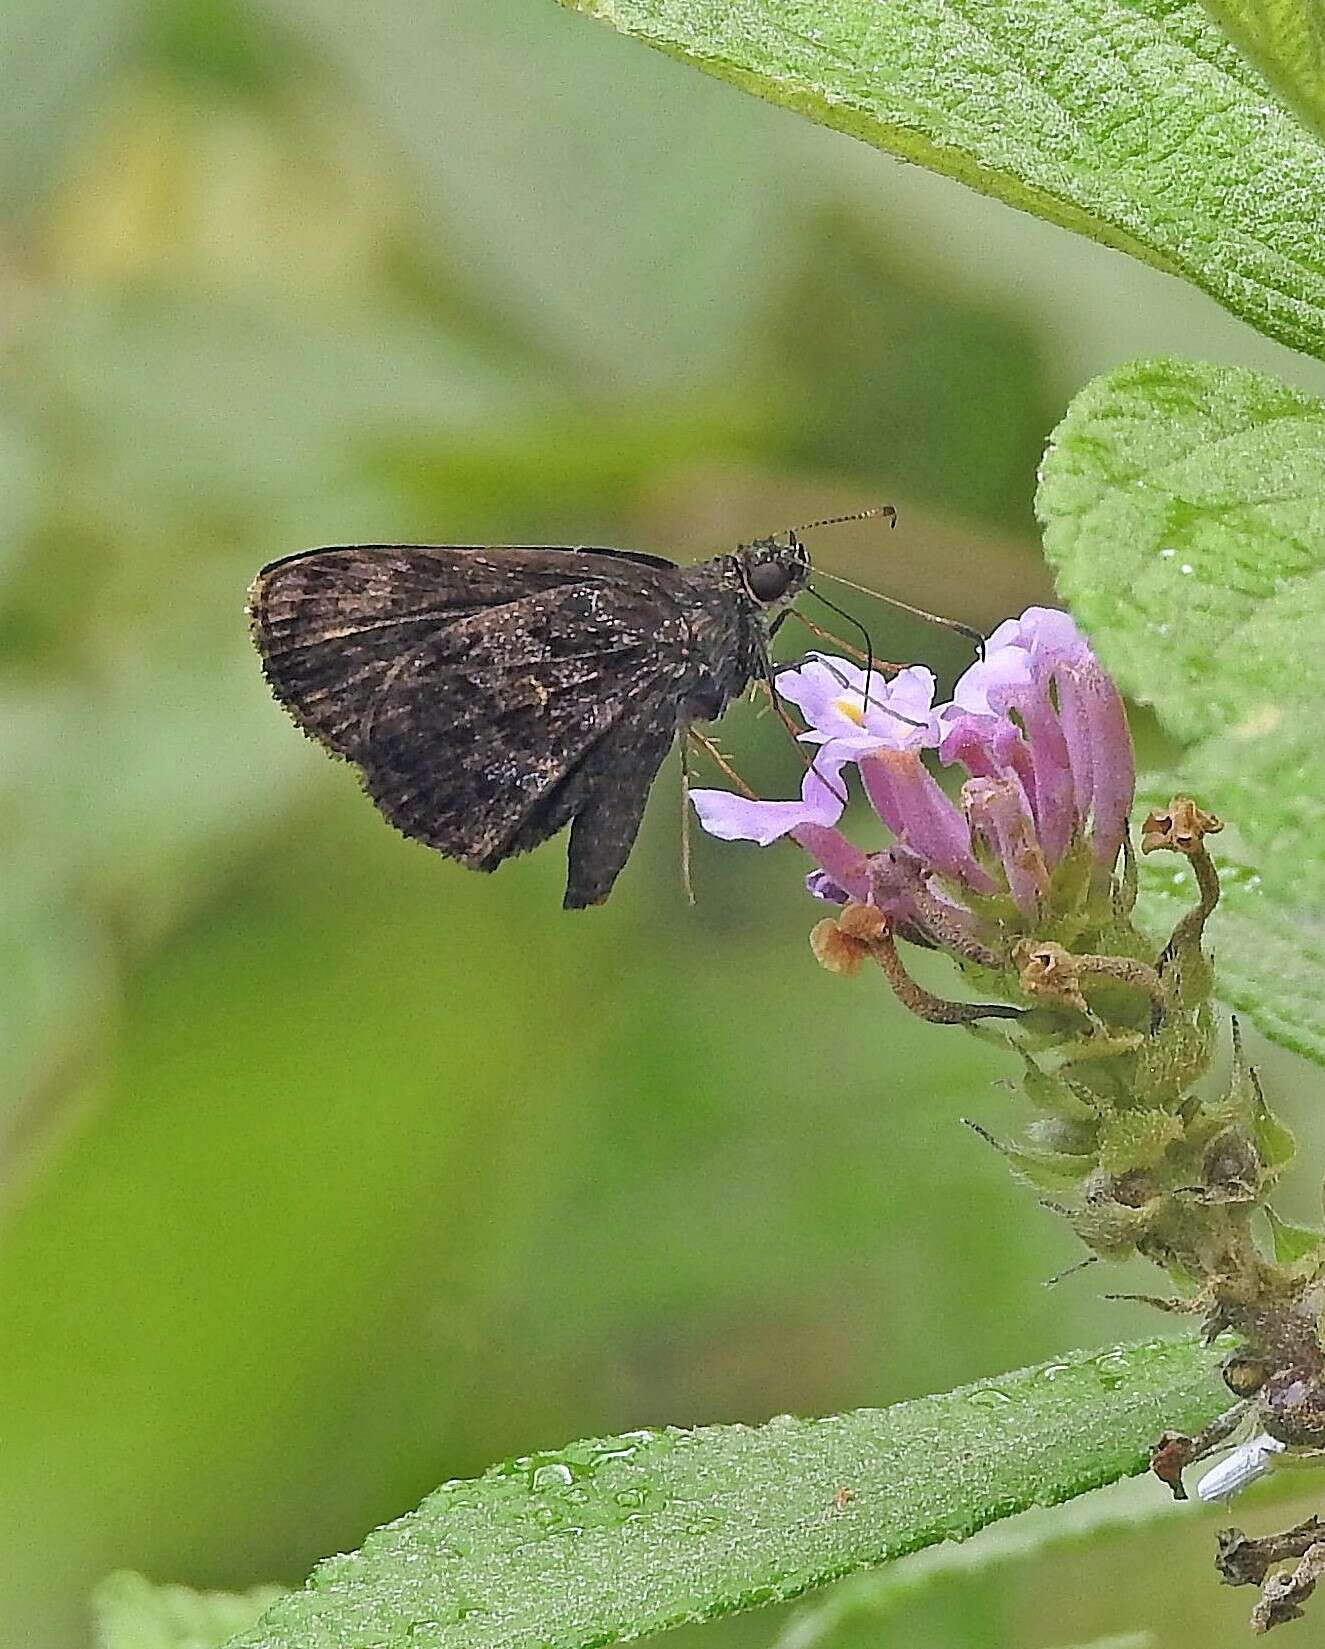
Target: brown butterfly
491, 696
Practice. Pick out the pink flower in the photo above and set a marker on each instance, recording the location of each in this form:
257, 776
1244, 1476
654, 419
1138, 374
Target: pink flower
845, 721
1036, 723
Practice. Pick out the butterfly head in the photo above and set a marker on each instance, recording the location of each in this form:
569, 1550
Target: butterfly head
774, 571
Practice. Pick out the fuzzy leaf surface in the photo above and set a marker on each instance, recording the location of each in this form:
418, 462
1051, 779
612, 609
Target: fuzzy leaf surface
610, 1539
1184, 513
854, 1611
1138, 124
1285, 39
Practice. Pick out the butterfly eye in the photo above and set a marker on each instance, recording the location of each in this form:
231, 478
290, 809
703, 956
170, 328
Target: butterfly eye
769, 580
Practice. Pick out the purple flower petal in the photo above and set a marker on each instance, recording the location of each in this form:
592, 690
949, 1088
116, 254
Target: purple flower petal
1030, 660
1050, 785
735, 818
1050, 633
820, 885
831, 695
908, 800
985, 745
1098, 717
998, 814
984, 688
1042, 632
816, 686
841, 862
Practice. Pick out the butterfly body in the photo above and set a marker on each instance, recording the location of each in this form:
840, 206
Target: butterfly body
492, 696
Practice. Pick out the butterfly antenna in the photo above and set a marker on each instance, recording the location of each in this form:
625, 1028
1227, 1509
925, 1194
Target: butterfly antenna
851, 619
886, 510
967, 630
890, 514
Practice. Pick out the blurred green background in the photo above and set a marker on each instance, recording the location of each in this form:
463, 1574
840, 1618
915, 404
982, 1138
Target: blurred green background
331, 1170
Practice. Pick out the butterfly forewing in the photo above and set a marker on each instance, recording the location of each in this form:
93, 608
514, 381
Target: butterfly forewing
331, 624
488, 696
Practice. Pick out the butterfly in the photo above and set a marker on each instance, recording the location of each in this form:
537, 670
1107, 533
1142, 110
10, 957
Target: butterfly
491, 696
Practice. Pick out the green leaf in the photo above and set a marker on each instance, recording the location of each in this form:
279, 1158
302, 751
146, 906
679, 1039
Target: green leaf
132, 1613
1293, 1242
873, 1598
1136, 124
1285, 39
610, 1539
1184, 513
1269, 957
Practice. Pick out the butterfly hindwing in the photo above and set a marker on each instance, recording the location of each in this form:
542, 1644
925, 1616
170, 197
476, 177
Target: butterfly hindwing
485, 740
617, 777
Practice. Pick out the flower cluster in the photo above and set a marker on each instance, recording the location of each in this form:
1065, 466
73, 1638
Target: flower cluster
1041, 732
1027, 880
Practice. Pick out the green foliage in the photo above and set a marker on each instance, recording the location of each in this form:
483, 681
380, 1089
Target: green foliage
1184, 512
307, 1100
1138, 124
132, 1613
1291, 1241
1121, 1640
610, 1539
1285, 39
854, 1611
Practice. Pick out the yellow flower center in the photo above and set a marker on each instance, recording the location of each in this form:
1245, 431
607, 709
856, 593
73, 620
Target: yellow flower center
851, 711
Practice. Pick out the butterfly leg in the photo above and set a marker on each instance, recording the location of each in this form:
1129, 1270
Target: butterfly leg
686, 882
721, 763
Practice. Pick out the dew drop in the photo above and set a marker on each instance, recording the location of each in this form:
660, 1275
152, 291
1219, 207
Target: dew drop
1112, 1369
551, 1474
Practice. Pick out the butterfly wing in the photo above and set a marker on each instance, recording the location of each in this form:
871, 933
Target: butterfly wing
615, 781
331, 624
506, 726
489, 697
